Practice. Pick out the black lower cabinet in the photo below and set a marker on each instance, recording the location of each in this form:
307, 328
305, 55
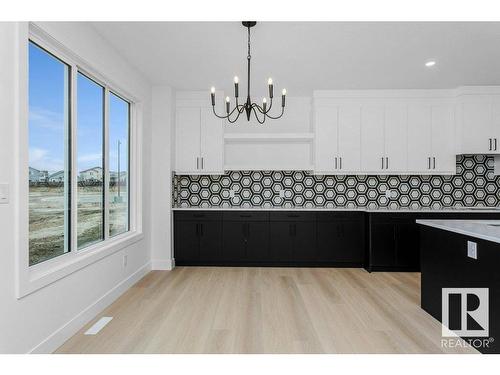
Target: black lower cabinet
245, 238
197, 238
341, 238
292, 237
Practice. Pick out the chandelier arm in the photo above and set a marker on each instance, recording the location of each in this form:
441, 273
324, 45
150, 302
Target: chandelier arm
277, 117
215, 113
235, 119
257, 117
255, 105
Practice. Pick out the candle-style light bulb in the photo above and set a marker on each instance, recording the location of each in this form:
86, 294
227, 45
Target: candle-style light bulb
283, 95
264, 104
212, 95
271, 88
236, 81
227, 103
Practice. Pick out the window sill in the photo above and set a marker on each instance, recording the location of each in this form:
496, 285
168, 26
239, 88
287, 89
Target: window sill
48, 272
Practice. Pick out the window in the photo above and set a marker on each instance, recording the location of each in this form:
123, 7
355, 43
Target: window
94, 141
90, 160
119, 118
49, 150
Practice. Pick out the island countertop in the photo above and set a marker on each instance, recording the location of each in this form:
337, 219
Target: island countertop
488, 230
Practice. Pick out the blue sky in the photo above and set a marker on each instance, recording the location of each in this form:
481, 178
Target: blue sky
47, 87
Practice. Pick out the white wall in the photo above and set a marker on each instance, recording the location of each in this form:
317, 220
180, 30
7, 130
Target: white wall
162, 152
41, 321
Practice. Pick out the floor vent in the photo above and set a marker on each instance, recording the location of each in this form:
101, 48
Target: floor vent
100, 324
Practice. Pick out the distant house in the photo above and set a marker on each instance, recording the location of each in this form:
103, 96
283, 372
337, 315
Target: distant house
57, 177
91, 175
37, 176
113, 177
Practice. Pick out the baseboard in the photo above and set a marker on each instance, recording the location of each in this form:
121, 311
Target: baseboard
162, 264
59, 337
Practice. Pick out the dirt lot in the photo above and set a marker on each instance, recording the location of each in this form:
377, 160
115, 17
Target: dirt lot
46, 219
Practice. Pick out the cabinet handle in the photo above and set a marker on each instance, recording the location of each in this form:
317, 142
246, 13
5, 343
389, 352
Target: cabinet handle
495, 144
434, 162
197, 163
340, 162
490, 144
386, 162
335, 162
382, 162
202, 162
429, 162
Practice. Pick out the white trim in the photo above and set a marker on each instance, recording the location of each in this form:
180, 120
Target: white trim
58, 337
30, 279
162, 264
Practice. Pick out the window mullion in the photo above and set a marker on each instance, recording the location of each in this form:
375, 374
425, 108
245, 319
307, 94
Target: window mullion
73, 162
106, 163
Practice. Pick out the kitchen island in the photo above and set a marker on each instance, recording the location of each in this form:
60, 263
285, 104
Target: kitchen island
462, 254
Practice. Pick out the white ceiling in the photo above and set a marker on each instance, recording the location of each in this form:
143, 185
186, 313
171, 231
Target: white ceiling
303, 56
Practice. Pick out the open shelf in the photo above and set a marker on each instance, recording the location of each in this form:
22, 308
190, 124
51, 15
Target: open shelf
282, 137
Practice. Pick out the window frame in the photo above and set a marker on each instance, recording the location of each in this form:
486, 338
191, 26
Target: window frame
32, 278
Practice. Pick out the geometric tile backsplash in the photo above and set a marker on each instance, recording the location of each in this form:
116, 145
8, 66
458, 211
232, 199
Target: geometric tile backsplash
473, 185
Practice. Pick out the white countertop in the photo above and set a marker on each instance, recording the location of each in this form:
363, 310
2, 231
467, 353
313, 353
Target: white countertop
475, 228
362, 209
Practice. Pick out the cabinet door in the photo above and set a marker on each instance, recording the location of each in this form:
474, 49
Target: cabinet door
495, 124
212, 142
382, 245
328, 234
304, 241
210, 241
257, 241
186, 241
350, 248
396, 138
407, 245
372, 138
280, 241
234, 242
419, 138
187, 140
476, 122
443, 139
349, 138
326, 119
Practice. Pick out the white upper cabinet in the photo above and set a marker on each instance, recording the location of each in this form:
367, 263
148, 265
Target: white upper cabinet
479, 120
338, 139
372, 139
326, 120
349, 138
199, 136
431, 138
386, 132
396, 138
419, 137
443, 148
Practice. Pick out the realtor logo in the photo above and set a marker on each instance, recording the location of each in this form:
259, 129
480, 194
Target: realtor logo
465, 312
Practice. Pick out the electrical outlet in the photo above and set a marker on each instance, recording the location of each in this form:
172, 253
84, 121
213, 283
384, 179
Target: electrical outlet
4, 193
388, 194
472, 249
231, 193
282, 193
125, 261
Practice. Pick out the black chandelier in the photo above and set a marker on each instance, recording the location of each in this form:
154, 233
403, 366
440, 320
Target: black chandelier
248, 107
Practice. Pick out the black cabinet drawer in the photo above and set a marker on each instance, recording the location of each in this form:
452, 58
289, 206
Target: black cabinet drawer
292, 216
245, 216
339, 215
198, 215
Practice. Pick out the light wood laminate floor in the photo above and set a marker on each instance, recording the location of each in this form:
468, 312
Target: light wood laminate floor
266, 310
